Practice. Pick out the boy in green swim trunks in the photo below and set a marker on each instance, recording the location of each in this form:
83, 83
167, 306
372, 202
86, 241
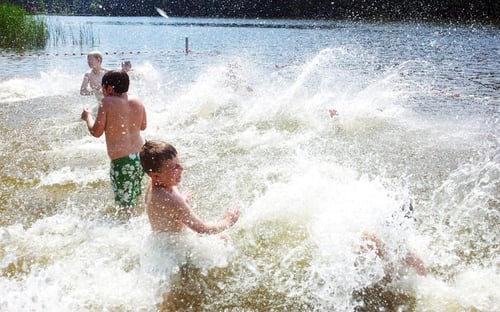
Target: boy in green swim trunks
121, 118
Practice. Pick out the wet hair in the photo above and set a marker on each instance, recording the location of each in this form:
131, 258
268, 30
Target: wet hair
119, 80
153, 153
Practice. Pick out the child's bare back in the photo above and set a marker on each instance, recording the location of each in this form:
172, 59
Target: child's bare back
128, 118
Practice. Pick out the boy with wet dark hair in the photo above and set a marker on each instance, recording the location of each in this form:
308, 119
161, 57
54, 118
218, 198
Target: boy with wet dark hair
121, 118
167, 209
118, 80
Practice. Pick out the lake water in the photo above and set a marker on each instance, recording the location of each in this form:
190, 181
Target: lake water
248, 111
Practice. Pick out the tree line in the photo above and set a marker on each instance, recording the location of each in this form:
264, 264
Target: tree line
478, 10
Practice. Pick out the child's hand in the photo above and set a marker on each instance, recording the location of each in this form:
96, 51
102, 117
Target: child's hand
86, 112
417, 263
187, 195
232, 214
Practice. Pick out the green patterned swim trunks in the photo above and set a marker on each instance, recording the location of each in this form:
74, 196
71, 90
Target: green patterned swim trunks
126, 178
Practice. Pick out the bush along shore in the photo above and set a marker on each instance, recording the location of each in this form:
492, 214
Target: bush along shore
20, 31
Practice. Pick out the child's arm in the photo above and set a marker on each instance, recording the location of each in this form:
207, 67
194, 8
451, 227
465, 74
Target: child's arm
192, 221
137, 102
415, 262
84, 87
96, 128
144, 119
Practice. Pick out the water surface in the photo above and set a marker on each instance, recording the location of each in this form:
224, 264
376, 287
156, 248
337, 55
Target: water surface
248, 110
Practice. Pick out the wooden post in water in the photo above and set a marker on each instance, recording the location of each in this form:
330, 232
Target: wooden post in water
187, 45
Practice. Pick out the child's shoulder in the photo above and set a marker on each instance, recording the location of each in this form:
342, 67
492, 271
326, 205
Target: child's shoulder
134, 102
134, 99
173, 197
113, 100
165, 199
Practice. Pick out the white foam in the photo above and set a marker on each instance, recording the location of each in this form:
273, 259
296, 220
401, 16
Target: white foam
51, 83
475, 288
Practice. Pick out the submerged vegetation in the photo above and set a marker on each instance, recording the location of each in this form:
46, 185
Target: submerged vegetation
20, 31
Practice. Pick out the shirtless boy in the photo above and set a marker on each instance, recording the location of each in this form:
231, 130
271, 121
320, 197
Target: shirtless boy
167, 209
91, 84
121, 118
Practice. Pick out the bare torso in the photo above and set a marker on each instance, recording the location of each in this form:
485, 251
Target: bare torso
93, 79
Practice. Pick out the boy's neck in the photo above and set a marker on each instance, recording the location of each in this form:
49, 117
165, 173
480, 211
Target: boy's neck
165, 187
115, 94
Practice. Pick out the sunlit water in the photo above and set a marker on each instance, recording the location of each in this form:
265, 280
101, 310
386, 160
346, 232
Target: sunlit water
247, 110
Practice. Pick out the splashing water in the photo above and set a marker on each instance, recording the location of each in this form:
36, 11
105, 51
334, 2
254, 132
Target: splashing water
252, 130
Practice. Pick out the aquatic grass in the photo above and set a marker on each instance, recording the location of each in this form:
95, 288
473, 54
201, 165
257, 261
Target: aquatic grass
57, 35
83, 36
20, 31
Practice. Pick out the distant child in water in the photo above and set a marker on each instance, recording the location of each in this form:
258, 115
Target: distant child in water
126, 66
121, 118
91, 84
168, 209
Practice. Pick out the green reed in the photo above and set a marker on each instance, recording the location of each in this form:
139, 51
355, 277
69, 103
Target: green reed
82, 36
85, 37
20, 31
